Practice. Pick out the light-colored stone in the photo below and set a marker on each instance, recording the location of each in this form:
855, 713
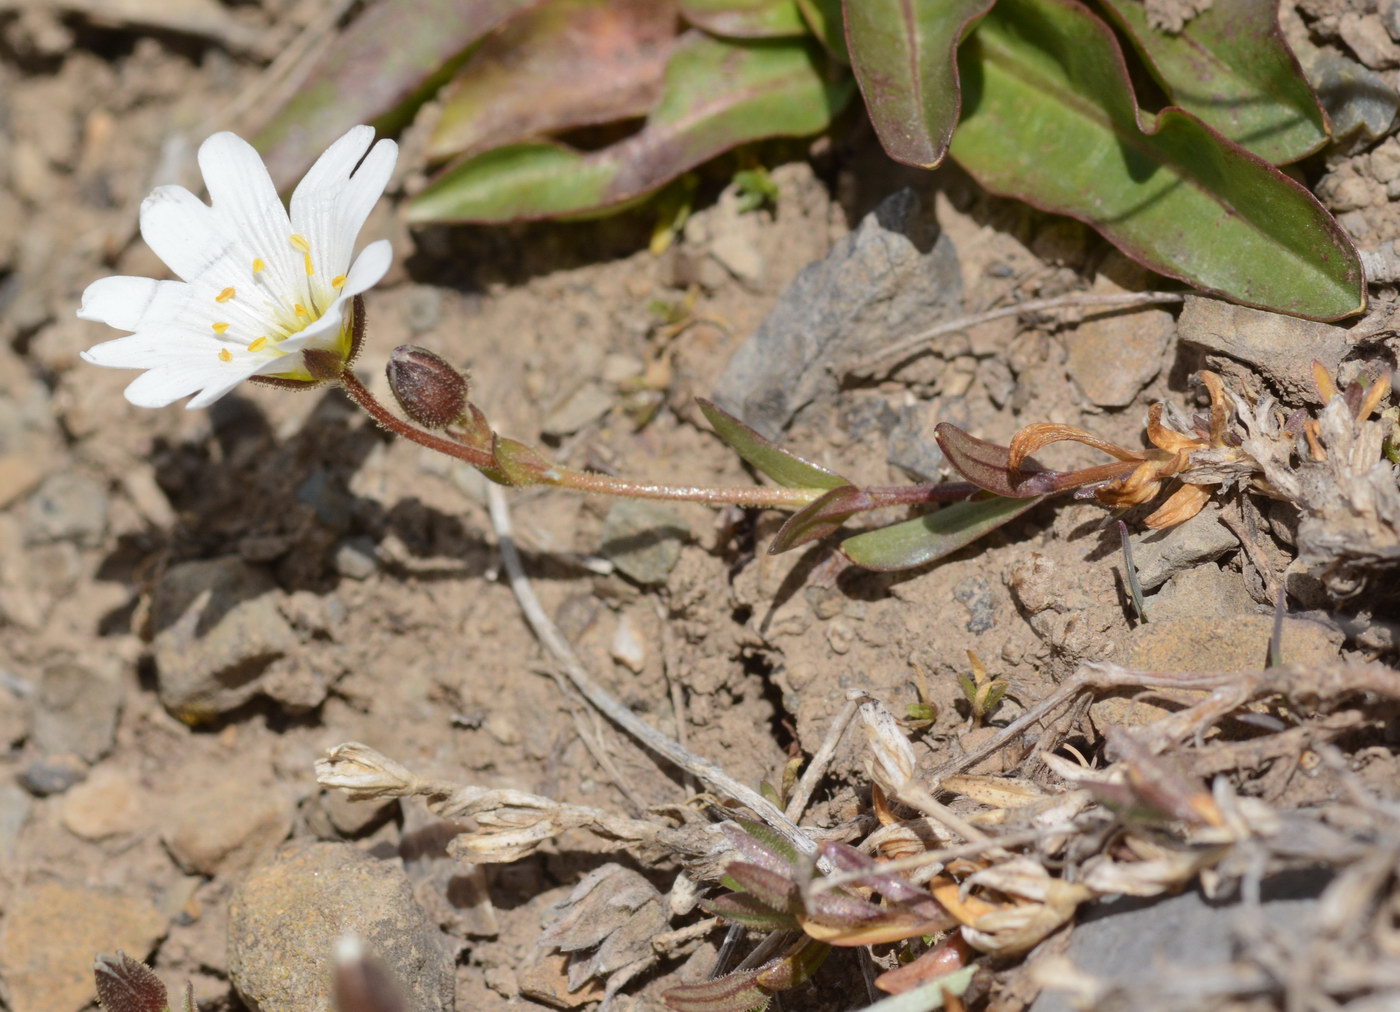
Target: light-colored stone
1111, 357
225, 828
53, 930
108, 803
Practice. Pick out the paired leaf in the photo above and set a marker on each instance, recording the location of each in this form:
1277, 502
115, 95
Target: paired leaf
783, 467
821, 518
1231, 67
774, 889
749, 911
746, 19
934, 535
563, 65
717, 94
903, 54
987, 465
388, 60
1049, 116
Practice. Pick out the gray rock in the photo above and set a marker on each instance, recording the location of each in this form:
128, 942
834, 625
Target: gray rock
15, 806
218, 628
976, 595
1281, 348
893, 276
52, 775
1160, 555
1111, 358
286, 916
356, 558
67, 507
643, 539
76, 710
581, 406
1152, 947
913, 443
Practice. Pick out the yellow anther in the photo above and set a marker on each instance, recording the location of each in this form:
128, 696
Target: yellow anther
309, 270
338, 281
259, 265
225, 295
225, 355
300, 310
220, 328
258, 345
300, 243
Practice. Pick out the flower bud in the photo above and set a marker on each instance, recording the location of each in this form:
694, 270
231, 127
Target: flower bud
428, 389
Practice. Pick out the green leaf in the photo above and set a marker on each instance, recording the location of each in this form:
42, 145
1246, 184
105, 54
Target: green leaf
718, 94
746, 19
927, 997
820, 518
903, 54
563, 65
377, 71
1049, 116
1231, 67
749, 911
932, 536
825, 20
783, 467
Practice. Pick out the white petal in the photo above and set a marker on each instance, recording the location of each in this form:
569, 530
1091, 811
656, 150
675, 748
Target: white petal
184, 374
183, 231
330, 204
149, 349
132, 303
247, 205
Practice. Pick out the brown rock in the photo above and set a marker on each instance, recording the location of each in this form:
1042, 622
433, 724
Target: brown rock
52, 932
286, 916
107, 803
227, 829
1113, 357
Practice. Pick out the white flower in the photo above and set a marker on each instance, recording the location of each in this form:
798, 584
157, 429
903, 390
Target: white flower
258, 287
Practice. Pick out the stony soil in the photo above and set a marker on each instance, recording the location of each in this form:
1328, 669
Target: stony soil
194, 605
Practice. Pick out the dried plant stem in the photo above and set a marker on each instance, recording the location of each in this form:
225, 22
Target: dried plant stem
816, 769
1078, 300
553, 640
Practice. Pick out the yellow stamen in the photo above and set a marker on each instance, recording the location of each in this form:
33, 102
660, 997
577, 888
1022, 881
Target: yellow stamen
220, 328
259, 265
258, 345
300, 310
309, 269
300, 243
225, 355
338, 281
225, 295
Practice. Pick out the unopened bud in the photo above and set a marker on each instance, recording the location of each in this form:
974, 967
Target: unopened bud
428, 389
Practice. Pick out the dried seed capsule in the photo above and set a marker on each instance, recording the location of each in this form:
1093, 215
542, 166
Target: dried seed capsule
428, 389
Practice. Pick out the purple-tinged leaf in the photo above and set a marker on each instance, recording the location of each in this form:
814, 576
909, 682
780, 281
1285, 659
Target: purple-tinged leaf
746, 19
760, 845
749, 911
374, 72
718, 93
773, 890
128, 985
904, 54
563, 65
987, 465
820, 518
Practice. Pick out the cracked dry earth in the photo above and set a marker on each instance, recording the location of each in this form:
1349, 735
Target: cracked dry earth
194, 605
